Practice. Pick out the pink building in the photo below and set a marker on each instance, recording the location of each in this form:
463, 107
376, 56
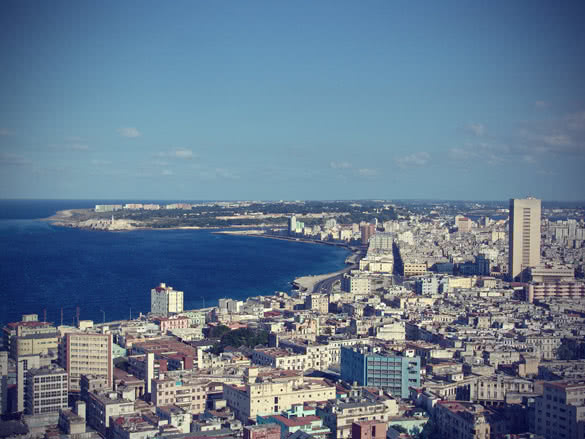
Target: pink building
173, 323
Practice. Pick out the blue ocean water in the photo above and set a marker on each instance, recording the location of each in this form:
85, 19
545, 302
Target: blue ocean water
44, 267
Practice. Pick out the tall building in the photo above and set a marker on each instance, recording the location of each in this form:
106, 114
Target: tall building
367, 230
524, 235
3, 381
292, 225
388, 371
164, 301
560, 411
86, 353
46, 390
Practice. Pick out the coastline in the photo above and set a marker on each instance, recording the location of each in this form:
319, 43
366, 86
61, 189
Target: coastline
307, 284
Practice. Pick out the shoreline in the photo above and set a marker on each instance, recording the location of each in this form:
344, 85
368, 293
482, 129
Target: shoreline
306, 284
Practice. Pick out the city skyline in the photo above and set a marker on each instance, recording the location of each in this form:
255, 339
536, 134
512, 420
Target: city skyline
333, 100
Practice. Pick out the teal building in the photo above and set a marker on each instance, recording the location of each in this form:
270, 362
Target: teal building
387, 370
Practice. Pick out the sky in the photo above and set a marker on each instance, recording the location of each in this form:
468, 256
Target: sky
265, 100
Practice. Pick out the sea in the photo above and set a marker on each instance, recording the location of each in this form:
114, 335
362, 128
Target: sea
53, 271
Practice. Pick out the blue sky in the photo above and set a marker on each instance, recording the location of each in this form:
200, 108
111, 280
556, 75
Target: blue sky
292, 100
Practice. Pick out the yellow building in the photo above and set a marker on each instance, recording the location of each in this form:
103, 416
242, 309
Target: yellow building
414, 269
34, 344
269, 395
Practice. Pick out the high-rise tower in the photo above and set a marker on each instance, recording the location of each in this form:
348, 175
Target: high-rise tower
524, 235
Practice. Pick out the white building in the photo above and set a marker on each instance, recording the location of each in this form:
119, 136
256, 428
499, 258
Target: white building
164, 301
46, 390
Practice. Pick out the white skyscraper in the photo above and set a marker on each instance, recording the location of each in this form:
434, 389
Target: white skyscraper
165, 301
292, 224
524, 235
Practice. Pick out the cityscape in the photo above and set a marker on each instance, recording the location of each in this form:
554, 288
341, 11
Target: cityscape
292, 219
440, 326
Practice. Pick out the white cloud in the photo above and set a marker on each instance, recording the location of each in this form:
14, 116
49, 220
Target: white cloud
130, 132
182, 153
417, 159
477, 129
78, 147
541, 104
11, 159
340, 165
179, 153
226, 173
98, 162
576, 121
557, 140
483, 152
217, 173
367, 172
167, 172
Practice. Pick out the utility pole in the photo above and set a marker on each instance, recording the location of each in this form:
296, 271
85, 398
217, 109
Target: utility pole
104, 314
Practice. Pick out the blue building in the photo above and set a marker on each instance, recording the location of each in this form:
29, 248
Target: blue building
392, 372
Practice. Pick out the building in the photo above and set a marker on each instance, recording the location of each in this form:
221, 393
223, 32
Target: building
369, 430
386, 370
33, 344
555, 290
317, 302
356, 283
23, 364
524, 236
381, 242
46, 390
101, 406
185, 392
24, 328
560, 411
463, 224
465, 420
262, 431
86, 353
279, 358
299, 418
292, 225
165, 301
367, 231
414, 268
3, 382
269, 395
340, 415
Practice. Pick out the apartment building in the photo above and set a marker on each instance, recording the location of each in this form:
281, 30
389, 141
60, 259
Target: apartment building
414, 268
24, 328
165, 301
279, 358
269, 395
33, 344
46, 390
465, 420
185, 392
387, 370
369, 430
86, 353
318, 303
103, 405
560, 411
493, 389
340, 415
